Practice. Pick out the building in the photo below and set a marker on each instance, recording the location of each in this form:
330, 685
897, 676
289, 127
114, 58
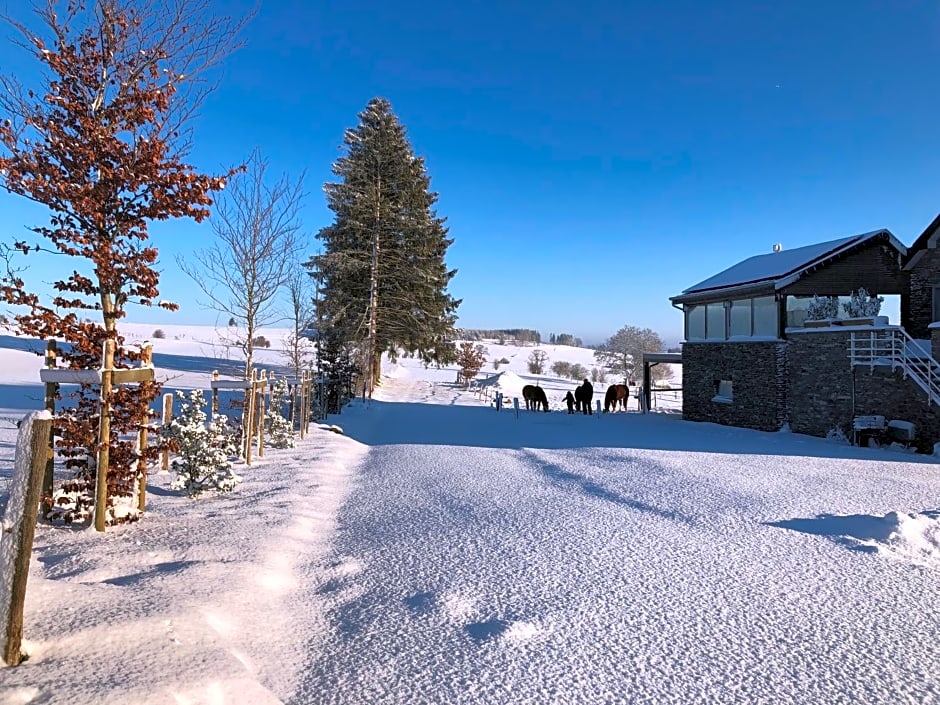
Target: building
751, 359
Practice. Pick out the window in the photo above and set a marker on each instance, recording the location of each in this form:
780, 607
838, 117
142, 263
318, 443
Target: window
936, 303
765, 316
715, 322
740, 317
796, 310
695, 323
724, 391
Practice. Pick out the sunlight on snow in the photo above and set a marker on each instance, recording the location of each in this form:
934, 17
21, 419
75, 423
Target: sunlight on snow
520, 632
221, 625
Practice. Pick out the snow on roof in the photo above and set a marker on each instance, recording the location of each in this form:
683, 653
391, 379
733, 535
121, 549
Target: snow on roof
776, 265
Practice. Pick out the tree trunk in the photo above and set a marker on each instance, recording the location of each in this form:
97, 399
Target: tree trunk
373, 297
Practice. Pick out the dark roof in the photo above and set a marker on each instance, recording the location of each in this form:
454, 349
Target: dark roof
922, 242
779, 269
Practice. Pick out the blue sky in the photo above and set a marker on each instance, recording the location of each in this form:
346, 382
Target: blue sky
594, 158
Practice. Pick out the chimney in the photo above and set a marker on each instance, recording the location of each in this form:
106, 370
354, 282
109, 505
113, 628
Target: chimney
778, 247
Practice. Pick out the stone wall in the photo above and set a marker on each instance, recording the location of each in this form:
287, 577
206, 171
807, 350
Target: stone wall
887, 392
923, 277
756, 371
807, 381
819, 382
825, 391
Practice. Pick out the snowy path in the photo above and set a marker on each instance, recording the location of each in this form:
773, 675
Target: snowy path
535, 572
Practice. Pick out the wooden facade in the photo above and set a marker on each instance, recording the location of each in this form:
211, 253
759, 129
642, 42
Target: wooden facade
876, 265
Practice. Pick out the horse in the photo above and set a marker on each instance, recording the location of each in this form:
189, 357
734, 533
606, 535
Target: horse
583, 396
616, 393
534, 396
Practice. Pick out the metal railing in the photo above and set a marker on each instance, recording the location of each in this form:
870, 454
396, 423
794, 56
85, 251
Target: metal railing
893, 346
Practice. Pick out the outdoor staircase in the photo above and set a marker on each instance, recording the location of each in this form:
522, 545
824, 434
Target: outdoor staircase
892, 346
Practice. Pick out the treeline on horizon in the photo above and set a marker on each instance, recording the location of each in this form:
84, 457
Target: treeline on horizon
518, 335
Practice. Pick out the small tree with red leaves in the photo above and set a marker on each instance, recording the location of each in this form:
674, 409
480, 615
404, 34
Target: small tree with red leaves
470, 359
102, 143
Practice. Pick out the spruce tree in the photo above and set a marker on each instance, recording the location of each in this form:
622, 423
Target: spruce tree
384, 279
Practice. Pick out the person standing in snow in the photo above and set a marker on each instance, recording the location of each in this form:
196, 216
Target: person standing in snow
569, 400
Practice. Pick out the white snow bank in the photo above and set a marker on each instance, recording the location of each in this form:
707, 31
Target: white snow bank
913, 538
507, 382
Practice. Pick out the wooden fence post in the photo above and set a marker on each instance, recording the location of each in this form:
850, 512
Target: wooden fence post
52, 390
20, 515
165, 421
104, 436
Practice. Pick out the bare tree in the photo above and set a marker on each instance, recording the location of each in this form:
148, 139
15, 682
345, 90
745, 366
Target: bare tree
537, 361
301, 350
257, 242
623, 352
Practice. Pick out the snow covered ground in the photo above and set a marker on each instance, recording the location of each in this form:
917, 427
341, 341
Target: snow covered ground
443, 552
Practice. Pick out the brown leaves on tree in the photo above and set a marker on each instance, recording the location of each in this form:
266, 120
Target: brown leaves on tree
102, 143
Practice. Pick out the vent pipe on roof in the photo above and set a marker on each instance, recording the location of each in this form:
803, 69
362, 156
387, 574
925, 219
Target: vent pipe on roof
778, 247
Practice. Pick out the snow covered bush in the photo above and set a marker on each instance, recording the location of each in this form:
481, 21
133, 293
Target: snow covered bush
204, 450
862, 305
279, 430
837, 435
822, 307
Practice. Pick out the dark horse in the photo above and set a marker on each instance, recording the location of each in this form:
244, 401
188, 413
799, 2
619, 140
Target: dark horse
583, 396
616, 393
534, 396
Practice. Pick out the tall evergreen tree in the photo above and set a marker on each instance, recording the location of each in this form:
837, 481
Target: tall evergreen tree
384, 279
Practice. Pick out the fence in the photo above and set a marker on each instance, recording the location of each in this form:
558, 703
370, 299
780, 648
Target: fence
19, 526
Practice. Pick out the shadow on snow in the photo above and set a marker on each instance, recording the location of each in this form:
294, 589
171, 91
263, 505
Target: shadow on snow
378, 423
854, 531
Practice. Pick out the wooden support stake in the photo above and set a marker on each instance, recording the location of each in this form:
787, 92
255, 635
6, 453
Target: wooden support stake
293, 402
248, 417
261, 406
22, 533
104, 436
215, 394
165, 421
52, 390
142, 444
301, 390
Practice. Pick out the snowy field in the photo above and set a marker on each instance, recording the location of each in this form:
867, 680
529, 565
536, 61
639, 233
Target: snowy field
443, 552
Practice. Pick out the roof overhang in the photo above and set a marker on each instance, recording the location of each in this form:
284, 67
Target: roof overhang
764, 288
771, 285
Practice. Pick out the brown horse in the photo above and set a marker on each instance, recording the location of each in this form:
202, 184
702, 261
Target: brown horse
534, 396
616, 393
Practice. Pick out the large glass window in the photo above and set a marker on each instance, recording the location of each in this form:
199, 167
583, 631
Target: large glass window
741, 317
695, 322
796, 310
715, 322
765, 316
